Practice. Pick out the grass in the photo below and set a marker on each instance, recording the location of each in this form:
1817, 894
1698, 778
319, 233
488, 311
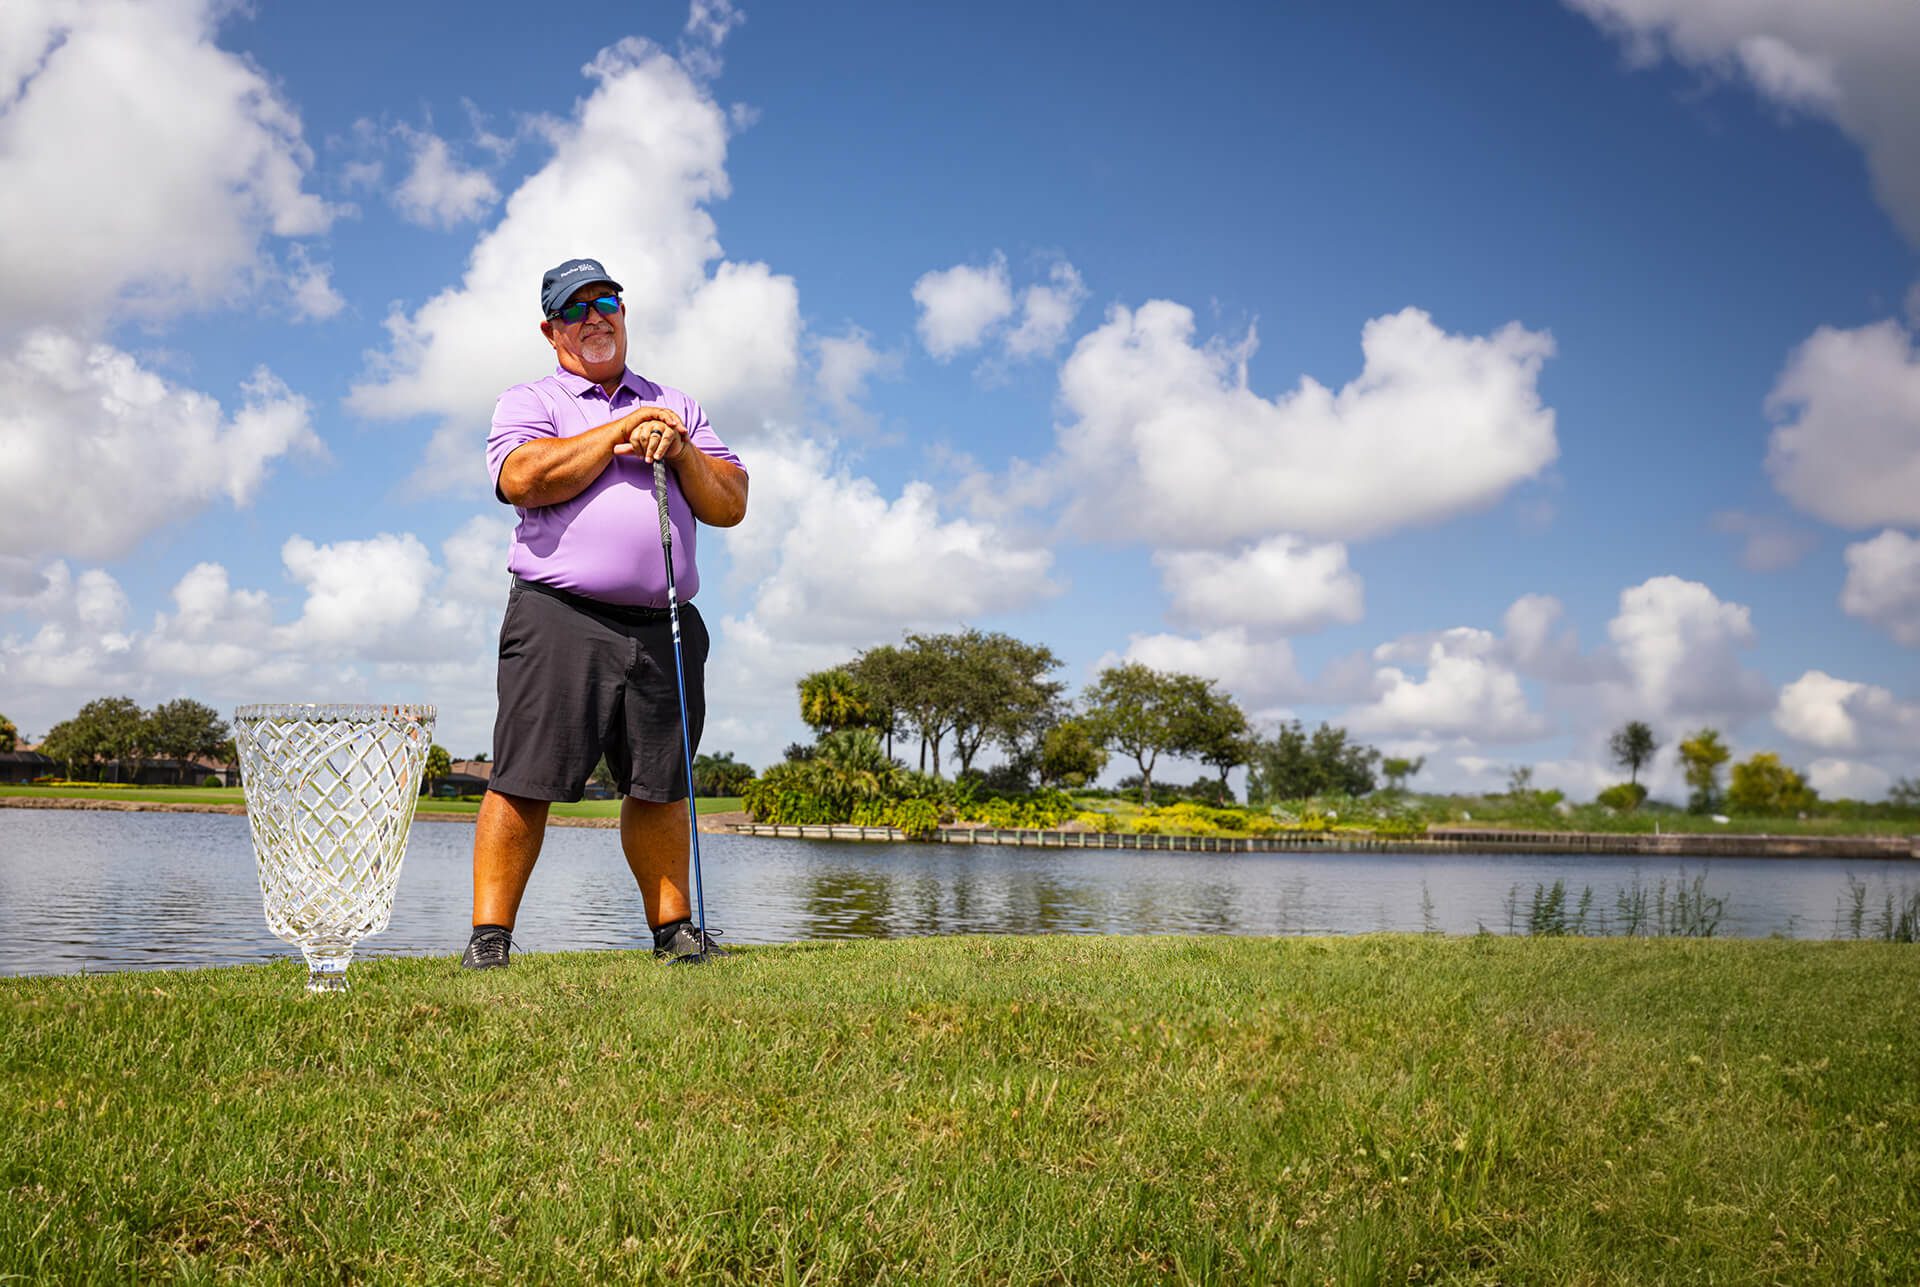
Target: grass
982, 1110
232, 795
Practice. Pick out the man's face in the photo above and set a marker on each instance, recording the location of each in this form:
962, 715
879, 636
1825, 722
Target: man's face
596, 345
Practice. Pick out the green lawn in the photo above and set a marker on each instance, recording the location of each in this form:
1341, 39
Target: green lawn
232, 795
982, 1110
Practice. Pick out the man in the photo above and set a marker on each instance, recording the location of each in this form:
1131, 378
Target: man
586, 652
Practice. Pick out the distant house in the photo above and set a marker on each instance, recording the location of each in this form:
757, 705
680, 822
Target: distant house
25, 766
468, 777
193, 771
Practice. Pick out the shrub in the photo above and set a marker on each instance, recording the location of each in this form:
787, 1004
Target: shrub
1763, 785
1622, 796
210, 781
918, 818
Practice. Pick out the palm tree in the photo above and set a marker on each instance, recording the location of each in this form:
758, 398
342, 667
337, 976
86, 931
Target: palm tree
831, 700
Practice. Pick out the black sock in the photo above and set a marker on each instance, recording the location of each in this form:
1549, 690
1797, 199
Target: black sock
665, 932
478, 930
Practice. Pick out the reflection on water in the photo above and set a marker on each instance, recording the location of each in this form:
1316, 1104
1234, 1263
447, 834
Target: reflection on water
84, 890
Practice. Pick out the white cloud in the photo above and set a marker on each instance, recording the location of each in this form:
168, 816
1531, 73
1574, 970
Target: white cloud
830, 565
1046, 311
650, 144
1259, 673
377, 620
1535, 646
357, 590
1283, 584
1832, 714
958, 305
151, 452
1883, 585
1680, 645
214, 630
1839, 779
172, 161
1468, 690
846, 364
1848, 446
837, 560
1435, 425
438, 191
314, 298
709, 23
1847, 61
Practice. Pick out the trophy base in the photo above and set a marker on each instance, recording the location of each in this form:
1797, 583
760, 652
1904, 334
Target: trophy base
327, 968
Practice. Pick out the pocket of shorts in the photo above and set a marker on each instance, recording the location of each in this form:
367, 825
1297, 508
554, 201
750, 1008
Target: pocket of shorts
511, 634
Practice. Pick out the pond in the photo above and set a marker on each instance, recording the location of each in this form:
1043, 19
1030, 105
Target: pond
88, 891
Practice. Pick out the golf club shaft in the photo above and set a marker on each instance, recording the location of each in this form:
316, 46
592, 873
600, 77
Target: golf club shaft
680, 678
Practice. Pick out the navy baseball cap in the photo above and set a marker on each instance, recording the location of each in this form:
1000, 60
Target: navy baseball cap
557, 287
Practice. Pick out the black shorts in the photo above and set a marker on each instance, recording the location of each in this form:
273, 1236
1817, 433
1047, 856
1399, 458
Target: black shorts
579, 680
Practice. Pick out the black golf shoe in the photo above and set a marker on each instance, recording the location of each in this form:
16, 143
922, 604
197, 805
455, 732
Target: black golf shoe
487, 949
682, 944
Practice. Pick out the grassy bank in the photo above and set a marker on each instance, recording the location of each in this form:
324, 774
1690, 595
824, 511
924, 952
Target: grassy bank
983, 1110
232, 795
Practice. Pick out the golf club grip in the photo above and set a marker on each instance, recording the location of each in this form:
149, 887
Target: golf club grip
660, 496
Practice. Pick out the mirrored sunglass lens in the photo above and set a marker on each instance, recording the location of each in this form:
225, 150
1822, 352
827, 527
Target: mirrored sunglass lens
606, 305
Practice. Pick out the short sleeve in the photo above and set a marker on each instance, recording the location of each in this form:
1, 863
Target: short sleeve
701, 434
520, 416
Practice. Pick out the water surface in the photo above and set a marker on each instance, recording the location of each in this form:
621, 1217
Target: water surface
94, 890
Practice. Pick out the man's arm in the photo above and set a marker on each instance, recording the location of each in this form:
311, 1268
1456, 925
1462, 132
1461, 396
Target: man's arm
716, 490
547, 471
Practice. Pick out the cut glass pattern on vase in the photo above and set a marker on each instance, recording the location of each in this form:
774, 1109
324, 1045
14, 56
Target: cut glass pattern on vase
330, 794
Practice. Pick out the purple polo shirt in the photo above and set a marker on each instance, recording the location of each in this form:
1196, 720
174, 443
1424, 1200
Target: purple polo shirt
605, 542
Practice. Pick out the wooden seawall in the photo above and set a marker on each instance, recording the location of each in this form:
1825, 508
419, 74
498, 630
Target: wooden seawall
1437, 839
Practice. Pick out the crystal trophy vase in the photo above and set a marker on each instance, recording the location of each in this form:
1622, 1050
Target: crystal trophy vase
330, 793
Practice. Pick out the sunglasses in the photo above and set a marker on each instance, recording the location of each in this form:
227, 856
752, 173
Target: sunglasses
606, 306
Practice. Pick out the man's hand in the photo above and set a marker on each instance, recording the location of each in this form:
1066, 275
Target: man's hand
653, 433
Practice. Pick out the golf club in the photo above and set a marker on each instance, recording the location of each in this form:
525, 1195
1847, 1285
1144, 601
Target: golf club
686, 734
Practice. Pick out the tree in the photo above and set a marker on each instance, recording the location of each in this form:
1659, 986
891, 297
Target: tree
1763, 785
439, 764
1001, 690
885, 674
1905, 793
833, 699
1632, 746
1703, 754
1221, 737
720, 774
1520, 779
108, 729
9, 735
1144, 712
65, 746
1397, 771
931, 691
182, 729
1291, 765
1071, 754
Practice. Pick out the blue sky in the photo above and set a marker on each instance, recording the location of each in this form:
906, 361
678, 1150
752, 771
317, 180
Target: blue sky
1477, 376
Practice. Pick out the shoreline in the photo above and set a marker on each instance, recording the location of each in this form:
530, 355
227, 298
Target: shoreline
1437, 840
709, 823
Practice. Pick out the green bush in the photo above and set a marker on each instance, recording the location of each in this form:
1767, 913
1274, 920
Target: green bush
918, 818
1624, 797
211, 781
